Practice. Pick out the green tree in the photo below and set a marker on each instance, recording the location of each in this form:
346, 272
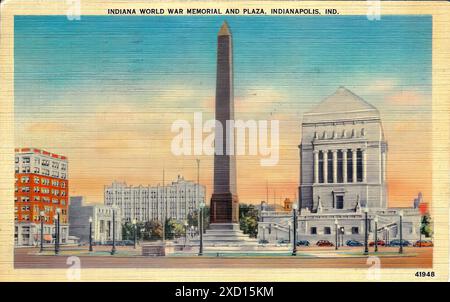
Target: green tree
248, 219
127, 231
426, 226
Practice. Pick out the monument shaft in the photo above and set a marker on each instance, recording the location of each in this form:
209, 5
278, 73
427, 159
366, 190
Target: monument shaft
224, 201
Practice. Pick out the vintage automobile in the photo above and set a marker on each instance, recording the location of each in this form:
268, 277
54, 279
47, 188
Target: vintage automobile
324, 243
423, 243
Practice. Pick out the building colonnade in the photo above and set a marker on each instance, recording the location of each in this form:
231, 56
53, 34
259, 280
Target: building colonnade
340, 166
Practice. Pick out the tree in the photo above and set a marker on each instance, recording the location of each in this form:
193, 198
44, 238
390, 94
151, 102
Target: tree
425, 225
248, 219
127, 231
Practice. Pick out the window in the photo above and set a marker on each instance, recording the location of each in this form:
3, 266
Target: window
17, 160
321, 180
313, 230
349, 166
359, 166
36, 180
339, 202
330, 166
327, 230
340, 161
355, 230
26, 160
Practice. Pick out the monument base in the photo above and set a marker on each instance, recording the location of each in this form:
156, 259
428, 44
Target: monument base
224, 208
226, 234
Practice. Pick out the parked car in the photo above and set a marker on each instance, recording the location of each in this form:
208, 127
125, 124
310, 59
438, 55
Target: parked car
423, 243
396, 242
353, 243
263, 241
379, 243
283, 241
303, 243
324, 243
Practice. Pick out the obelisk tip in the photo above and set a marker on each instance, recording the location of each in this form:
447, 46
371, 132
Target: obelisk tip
225, 29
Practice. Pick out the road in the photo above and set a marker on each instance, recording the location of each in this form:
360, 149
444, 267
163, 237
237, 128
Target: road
316, 258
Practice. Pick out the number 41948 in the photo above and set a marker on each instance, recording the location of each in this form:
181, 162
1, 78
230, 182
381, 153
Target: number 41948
425, 274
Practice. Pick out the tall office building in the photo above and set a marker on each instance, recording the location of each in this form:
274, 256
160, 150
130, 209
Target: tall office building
41, 190
144, 203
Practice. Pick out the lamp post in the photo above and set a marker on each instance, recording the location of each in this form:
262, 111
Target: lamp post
294, 236
113, 249
200, 251
289, 224
186, 227
342, 232
90, 234
42, 213
56, 218
376, 233
135, 232
366, 231
400, 250
336, 227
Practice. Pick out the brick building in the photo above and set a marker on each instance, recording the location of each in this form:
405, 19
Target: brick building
41, 187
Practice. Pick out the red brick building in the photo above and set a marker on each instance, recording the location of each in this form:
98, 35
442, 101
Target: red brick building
41, 187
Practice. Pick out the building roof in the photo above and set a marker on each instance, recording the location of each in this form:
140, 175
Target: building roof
342, 104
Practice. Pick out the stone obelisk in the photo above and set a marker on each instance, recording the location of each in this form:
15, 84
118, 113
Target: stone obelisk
224, 200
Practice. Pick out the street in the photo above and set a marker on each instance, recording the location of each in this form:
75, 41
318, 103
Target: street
310, 257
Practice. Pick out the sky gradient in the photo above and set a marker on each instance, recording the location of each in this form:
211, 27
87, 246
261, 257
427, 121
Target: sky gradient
105, 90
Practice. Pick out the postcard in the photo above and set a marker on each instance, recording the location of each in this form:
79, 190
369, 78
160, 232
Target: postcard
224, 141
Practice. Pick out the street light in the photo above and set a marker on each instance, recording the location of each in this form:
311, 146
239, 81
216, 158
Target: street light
113, 249
42, 213
376, 233
294, 212
289, 224
336, 227
342, 232
400, 250
366, 231
55, 219
200, 251
90, 234
135, 232
186, 226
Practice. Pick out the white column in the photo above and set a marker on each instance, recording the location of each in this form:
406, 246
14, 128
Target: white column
316, 166
354, 163
364, 165
325, 166
383, 161
344, 165
334, 166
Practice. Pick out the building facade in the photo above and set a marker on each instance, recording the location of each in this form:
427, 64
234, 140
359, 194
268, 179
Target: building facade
41, 187
343, 161
102, 221
145, 203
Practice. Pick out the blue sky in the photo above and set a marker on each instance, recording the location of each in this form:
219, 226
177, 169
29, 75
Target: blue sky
78, 74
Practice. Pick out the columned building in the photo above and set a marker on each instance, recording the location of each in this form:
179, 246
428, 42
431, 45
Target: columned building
144, 203
102, 221
343, 162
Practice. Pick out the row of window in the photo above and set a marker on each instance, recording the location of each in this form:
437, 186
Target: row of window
54, 192
44, 162
327, 230
43, 199
43, 171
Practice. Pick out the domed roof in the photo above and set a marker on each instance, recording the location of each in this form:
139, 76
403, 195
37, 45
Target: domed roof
342, 104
